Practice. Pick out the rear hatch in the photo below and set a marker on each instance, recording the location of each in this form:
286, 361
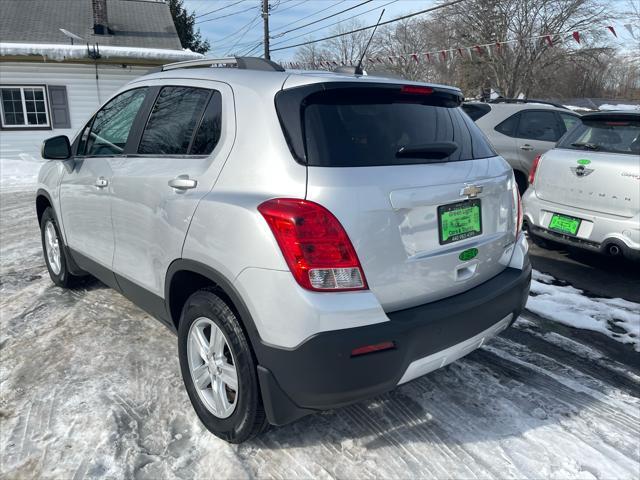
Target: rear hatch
596, 166
412, 180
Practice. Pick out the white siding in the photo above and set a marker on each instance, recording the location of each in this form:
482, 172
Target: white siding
85, 95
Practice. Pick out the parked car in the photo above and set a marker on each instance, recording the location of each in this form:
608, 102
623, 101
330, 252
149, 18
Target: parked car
586, 191
307, 235
522, 130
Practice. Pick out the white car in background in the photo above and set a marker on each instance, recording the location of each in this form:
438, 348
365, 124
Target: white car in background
586, 191
520, 130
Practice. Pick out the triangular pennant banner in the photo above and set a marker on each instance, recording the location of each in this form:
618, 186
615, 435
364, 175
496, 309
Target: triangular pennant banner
428, 55
612, 30
415, 57
576, 36
629, 28
478, 49
443, 54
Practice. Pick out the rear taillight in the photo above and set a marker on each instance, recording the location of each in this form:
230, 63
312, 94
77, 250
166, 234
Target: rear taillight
314, 244
534, 168
517, 203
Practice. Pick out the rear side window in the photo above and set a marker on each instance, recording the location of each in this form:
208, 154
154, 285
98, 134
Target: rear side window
476, 110
208, 133
508, 126
615, 135
173, 120
354, 127
568, 121
537, 125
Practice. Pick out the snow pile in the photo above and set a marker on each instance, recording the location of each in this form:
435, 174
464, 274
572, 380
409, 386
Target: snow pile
575, 108
61, 52
619, 106
19, 172
614, 317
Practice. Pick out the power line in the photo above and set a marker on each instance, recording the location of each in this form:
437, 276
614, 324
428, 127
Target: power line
312, 14
227, 15
324, 18
335, 23
437, 7
247, 29
237, 31
288, 8
218, 9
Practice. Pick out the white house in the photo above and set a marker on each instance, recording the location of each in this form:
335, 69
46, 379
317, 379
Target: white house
52, 81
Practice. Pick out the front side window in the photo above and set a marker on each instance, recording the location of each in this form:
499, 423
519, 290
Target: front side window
24, 107
538, 125
614, 135
111, 126
173, 120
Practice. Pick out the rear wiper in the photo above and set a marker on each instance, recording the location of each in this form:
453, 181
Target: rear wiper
429, 151
587, 146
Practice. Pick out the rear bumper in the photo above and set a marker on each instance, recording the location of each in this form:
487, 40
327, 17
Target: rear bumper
321, 374
597, 230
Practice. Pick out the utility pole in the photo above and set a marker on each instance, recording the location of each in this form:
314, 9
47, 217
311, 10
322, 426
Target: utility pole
265, 17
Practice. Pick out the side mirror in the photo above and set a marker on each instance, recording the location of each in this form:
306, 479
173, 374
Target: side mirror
56, 148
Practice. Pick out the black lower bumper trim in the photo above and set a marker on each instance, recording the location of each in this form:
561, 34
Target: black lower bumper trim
321, 374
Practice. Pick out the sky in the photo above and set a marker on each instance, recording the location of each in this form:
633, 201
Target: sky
236, 26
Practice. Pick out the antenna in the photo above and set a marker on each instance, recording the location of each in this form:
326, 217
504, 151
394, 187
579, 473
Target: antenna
364, 52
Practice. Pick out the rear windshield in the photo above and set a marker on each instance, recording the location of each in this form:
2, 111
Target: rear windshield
352, 127
476, 110
602, 135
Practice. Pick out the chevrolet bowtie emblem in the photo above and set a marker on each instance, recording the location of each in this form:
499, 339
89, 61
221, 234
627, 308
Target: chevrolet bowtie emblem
471, 191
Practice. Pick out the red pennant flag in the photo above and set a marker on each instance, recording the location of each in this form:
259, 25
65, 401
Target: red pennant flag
443, 53
498, 47
612, 30
390, 59
428, 55
415, 57
549, 40
379, 60
478, 49
576, 36
460, 52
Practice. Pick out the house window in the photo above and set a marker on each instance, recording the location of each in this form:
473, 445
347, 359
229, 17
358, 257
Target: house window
24, 107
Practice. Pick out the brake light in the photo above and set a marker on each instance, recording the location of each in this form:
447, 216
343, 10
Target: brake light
517, 203
416, 90
314, 244
534, 168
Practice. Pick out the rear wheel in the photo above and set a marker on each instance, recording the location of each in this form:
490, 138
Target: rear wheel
54, 251
218, 368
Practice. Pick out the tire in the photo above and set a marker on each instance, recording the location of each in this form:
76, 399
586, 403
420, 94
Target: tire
202, 312
58, 270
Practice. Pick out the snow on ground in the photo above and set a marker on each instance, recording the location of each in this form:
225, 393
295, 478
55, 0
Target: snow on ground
90, 387
19, 172
614, 317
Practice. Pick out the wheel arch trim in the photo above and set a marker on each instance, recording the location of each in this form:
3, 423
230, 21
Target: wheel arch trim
224, 284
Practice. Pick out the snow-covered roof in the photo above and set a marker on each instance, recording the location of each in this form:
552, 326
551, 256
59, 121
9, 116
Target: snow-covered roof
61, 52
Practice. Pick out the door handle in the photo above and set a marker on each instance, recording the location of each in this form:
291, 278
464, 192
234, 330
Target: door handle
183, 182
101, 182
526, 147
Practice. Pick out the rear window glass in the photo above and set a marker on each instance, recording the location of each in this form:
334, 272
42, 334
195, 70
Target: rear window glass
351, 127
476, 110
614, 136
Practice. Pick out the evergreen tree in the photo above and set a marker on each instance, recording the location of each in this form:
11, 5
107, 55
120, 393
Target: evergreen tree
185, 23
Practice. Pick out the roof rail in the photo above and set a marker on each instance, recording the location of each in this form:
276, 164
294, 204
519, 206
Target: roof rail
525, 100
243, 63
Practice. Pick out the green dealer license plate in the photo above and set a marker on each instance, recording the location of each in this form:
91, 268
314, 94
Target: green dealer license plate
563, 224
459, 221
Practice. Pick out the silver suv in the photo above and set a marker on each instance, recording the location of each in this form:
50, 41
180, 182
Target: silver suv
313, 238
522, 130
